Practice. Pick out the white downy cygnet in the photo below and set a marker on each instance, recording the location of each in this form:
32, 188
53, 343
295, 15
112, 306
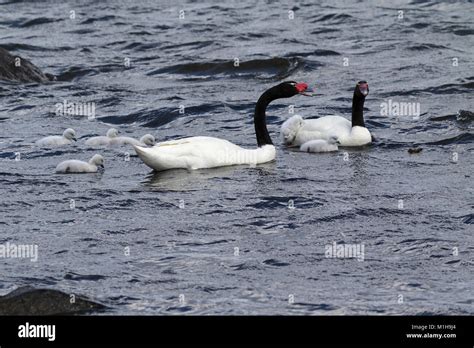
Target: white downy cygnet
112, 133
146, 140
68, 137
320, 145
75, 166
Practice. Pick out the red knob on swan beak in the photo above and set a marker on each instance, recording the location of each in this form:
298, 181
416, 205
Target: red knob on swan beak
304, 89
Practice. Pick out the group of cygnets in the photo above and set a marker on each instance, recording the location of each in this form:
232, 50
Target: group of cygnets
97, 161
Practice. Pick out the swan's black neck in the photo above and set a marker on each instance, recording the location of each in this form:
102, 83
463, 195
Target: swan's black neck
358, 110
263, 138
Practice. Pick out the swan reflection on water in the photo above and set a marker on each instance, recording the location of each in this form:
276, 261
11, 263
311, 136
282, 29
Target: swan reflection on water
189, 180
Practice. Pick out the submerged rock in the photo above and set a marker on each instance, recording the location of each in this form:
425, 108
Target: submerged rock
16, 68
31, 301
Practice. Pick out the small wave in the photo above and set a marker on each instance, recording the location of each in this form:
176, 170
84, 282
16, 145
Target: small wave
75, 72
426, 46
37, 21
420, 25
211, 289
334, 18
162, 27
81, 31
245, 267
449, 88
324, 31
317, 53
79, 277
464, 32
455, 29
219, 241
25, 47
451, 117
181, 309
140, 33
463, 138
277, 68
461, 116
139, 46
312, 307
193, 45
276, 263
284, 202
98, 19
160, 117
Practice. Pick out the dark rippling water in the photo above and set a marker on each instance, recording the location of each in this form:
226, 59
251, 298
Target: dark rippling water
183, 228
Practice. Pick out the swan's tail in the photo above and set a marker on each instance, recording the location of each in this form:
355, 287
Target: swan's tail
142, 152
156, 160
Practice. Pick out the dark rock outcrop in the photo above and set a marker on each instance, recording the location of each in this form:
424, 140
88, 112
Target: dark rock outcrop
16, 68
31, 301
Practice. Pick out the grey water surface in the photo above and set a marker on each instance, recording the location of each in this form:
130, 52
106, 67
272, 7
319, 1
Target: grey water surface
243, 240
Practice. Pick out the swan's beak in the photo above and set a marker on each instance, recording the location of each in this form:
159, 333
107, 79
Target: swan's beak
304, 89
74, 138
309, 92
364, 89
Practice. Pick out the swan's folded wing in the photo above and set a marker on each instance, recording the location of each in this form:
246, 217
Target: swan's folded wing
189, 153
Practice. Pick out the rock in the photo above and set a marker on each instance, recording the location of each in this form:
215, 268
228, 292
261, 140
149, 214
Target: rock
31, 301
16, 68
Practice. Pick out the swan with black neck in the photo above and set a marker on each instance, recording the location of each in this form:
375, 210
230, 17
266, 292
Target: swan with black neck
296, 131
209, 152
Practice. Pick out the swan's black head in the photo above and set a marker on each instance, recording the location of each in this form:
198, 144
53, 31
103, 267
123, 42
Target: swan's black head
362, 89
289, 89
285, 89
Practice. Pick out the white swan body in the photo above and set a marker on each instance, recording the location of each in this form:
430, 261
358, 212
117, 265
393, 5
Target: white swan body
75, 166
68, 137
112, 133
201, 152
145, 140
296, 131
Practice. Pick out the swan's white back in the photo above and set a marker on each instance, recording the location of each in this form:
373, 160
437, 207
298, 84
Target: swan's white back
201, 152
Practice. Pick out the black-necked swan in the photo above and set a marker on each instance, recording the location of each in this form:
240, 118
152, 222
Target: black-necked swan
69, 135
296, 131
75, 166
208, 152
145, 140
103, 140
